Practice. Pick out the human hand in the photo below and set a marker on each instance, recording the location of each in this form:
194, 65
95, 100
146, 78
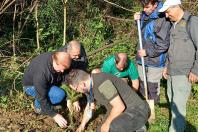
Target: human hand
192, 78
69, 105
80, 128
60, 120
165, 73
105, 127
89, 113
137, 16
142, 53
76, 106
93, 106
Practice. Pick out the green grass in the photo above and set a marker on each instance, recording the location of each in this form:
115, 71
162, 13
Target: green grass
162, 115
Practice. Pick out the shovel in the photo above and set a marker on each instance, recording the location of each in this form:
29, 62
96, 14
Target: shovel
150, 102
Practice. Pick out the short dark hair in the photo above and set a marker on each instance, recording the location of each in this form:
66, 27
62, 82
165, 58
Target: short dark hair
75, 76
146, 2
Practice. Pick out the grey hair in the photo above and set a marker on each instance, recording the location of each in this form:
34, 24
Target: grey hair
72, 44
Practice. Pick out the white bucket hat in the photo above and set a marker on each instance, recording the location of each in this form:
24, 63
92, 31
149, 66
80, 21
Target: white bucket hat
169, 3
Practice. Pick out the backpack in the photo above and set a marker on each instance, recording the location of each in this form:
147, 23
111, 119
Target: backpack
188, 30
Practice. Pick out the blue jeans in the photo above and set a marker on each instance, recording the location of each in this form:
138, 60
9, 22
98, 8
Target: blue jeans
178, 92
55, 95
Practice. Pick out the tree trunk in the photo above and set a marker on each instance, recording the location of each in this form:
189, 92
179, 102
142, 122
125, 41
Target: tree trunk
65, 21
37, 25
13, 29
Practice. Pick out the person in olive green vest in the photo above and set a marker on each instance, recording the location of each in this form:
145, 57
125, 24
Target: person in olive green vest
126, 111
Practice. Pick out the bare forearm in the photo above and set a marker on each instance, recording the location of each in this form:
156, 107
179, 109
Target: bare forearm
86, 117
117, 108
135, 84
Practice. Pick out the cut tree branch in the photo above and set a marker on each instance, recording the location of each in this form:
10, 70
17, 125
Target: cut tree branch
13, 29
37, 25
65, 20
119, 19
107, 46
118, 6
2, 9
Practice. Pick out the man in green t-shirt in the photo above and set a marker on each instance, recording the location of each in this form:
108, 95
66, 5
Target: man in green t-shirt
120, 66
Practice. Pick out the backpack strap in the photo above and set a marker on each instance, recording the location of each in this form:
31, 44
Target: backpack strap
188, 22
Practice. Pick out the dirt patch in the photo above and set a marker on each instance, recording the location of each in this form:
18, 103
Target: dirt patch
30, 121
26, 121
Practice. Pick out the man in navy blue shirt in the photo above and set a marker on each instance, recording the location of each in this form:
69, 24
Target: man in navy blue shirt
42, 79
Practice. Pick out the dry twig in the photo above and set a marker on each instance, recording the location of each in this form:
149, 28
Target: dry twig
118, 6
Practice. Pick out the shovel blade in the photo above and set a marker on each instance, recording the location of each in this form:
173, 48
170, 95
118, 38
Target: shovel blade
152, 108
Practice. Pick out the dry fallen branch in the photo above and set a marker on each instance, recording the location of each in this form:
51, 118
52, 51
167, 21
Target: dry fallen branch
5, 5
26, 19
119, 19
116, 5
14, 82
8, 42
20, 73
107, 46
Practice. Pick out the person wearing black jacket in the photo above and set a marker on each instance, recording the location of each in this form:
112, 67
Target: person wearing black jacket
41, 80
77, 53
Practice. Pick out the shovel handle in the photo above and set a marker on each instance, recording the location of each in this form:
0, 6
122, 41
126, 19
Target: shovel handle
142, 60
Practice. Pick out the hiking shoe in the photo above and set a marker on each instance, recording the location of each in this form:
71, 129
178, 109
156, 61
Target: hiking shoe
142, 129
57, 107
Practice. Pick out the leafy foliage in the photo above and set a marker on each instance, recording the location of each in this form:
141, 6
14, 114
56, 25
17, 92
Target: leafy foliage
71, 94
51, 24
195, 90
